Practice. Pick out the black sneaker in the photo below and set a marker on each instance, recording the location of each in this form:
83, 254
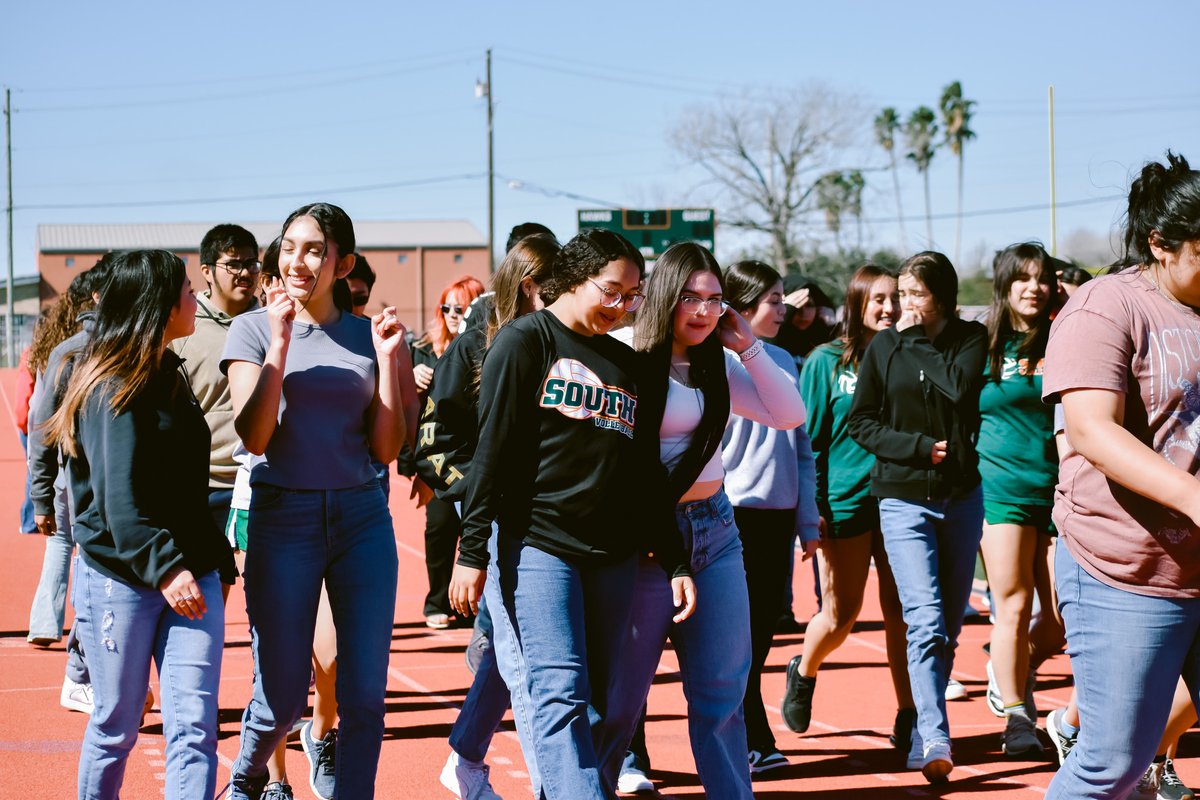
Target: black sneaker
322, 756
244, 787
788, 624
902, 729
277, 791
1169, 785
796, 707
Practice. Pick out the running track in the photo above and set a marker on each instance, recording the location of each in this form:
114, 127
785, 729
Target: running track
845, 754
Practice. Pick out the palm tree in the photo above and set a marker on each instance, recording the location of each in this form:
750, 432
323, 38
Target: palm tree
919, 133
956, 116
887, 125
831, 198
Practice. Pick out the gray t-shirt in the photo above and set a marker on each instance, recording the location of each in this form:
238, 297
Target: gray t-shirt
328, 384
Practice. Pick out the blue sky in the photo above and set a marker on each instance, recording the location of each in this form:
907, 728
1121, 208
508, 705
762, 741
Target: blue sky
163, 111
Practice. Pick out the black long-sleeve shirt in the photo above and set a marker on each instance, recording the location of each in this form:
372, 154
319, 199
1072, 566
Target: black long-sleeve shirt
43, 460
912, 393
449, 424
140, 484
557, 463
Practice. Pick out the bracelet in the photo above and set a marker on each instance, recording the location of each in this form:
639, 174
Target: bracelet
751, 351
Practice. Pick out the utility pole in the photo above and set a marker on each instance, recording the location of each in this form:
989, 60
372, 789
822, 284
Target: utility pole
484, 89
10, 348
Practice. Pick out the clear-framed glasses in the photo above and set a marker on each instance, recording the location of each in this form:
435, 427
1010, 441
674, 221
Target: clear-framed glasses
713, 305
612, 299
233, 266
449, 309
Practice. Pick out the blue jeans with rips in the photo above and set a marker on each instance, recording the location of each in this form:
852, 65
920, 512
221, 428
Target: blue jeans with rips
297, 539
713, 646
559, 631
124, 627
1127, 654
931, 546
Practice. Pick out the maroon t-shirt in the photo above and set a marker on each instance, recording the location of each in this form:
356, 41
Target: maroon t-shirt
1122, 334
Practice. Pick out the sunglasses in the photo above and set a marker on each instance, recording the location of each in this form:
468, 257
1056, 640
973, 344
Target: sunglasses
448, 309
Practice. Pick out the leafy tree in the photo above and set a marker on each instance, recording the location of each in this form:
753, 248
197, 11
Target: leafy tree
887, 127
840, 193
832, 271
956, 117
764, 156
920, 131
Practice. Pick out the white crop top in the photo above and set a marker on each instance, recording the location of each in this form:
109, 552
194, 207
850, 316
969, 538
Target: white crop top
758, 390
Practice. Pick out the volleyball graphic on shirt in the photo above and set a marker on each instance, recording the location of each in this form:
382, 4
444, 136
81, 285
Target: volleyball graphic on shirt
575, 391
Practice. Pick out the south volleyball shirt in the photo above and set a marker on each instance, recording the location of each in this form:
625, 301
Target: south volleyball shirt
556, 463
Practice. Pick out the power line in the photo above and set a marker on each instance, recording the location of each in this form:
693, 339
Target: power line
196, 201
691, 88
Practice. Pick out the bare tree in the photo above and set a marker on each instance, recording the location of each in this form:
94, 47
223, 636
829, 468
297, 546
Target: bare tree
765, 155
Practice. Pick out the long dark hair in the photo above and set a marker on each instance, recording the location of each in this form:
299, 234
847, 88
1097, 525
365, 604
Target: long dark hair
1164, 203
1010, 264
653, 333
746, 281
858, 294
126, 344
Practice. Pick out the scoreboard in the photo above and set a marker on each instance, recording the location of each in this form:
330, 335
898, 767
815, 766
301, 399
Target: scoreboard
653, 231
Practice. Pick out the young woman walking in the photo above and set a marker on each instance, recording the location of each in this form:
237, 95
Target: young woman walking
1127, 507
701, 364
771, 481
318, 393
916, 409
148, 585
557, 460
849, 512
1019, 467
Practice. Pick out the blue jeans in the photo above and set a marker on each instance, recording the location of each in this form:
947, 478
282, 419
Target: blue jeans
559, 630
123, 627
48, 610
1127, 654
27, 523
931, 546
713, 646
297, 539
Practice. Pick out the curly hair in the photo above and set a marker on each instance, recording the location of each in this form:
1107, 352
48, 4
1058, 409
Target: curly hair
62, 320
584, 257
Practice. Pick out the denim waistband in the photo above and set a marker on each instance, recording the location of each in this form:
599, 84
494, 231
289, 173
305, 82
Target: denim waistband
710, 507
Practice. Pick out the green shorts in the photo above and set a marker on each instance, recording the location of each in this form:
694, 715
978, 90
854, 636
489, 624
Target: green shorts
235, 529
863, 520
998, 513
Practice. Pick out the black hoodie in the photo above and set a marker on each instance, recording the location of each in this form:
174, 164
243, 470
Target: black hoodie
912, 393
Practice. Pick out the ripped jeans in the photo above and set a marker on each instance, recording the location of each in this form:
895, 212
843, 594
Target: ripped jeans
123, 627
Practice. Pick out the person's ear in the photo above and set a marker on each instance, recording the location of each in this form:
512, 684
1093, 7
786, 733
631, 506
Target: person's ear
344, 265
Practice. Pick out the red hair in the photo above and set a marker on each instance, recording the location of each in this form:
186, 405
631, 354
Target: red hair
438, 334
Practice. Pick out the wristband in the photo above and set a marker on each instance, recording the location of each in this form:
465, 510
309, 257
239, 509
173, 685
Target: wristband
751, 351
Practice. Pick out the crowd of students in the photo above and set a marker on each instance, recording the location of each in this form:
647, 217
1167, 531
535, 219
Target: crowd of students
621, 459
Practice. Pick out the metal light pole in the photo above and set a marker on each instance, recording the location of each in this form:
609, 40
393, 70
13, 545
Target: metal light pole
8, 319
484, 89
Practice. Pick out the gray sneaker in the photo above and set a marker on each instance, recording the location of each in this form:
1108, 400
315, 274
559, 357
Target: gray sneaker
1020, 737
1062, 741
322, 756
277, 791
1169, 785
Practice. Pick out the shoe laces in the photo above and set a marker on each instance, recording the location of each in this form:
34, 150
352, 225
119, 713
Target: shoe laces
277, 790
327, 758
1152, 778
1168, 776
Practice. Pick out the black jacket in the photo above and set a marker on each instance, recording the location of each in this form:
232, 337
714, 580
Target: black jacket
449, 423
140, 484
912, 393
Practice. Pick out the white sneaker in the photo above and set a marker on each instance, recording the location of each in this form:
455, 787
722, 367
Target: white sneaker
632, 781
955, 690
76, 696
468, 779
938, 763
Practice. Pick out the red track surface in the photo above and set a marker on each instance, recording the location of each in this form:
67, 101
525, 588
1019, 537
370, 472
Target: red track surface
845, 754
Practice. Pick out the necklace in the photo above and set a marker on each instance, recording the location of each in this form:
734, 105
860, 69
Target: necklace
1167, 294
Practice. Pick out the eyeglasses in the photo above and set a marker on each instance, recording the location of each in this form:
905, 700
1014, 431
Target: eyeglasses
234, 267
713, 305
456, 310
613, 299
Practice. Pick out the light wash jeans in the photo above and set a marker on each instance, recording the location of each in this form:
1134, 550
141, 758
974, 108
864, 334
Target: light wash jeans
297, 539
123, 627
48, 610
1127, 653
931, 546
559, 630
27, 524
712, 645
